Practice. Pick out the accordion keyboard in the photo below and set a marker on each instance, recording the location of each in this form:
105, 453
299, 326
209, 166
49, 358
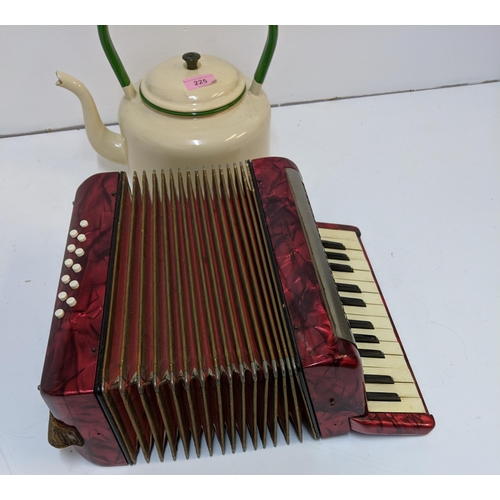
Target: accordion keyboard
389, 382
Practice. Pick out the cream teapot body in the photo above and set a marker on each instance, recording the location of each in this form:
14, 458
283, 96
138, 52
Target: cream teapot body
167, 123
153, 141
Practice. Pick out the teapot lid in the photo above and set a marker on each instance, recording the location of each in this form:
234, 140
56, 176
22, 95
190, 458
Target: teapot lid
192, 85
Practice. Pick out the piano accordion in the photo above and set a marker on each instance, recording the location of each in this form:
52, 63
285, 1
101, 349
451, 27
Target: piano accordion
208, 307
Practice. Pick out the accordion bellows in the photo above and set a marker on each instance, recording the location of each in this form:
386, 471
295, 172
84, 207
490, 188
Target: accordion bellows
196, 344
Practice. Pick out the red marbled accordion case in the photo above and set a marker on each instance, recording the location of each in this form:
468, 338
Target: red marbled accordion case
306, 373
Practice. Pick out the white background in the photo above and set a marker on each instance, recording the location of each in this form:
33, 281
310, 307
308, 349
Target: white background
310, 63
417, 172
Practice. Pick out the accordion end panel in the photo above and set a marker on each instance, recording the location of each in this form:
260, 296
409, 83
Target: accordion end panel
336, 389
68, 376
330, 364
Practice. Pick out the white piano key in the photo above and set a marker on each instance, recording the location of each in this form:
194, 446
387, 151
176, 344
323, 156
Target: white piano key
390, 361
386, 347
340, 236
348, 244
353, 277
383, 334
398, 374
369, 298
369, 310
402, 389
376, 321
360, 265
365, 286
406, 405
357, 255
336, 234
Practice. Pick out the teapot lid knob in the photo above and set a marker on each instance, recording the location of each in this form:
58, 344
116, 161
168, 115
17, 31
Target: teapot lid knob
191, 59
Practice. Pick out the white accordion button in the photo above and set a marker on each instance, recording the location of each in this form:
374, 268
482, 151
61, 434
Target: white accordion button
65, 279
73, 233
71, 248
74, 284
81, 238
77, 268
79, 252
62, 296
84, 223
71, 302
68, 262
59, 314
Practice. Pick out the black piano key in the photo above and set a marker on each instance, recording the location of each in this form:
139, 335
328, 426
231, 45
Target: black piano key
362, 324
382, 396
337, 256
332, 244
366, 339
347, 287
349, 301
371, 353
342, 268
378, 379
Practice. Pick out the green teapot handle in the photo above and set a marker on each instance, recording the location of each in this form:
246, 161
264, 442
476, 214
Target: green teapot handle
123, 78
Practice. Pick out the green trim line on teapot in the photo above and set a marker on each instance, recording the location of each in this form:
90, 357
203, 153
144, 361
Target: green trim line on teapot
192, 113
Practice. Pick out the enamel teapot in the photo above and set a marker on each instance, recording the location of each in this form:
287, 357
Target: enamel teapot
188, 112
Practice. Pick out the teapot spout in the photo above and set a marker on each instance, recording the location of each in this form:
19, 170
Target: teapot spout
106, 143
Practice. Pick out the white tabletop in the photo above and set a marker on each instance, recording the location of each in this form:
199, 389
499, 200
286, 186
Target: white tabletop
418, 173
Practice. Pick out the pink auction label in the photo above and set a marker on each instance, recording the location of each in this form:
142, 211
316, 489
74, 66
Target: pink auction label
195, 82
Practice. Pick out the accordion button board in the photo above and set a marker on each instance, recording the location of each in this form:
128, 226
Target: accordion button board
205, 307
